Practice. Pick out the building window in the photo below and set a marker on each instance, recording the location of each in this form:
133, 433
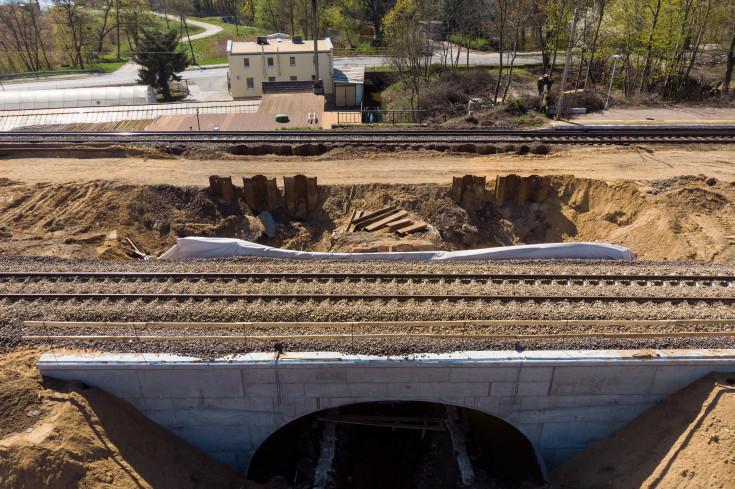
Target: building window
270, 61
313, 77
293, 78
246, 62
292, 60
251, 84
271, 78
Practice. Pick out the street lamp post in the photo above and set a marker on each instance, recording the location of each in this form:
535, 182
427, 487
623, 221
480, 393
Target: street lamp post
612, 77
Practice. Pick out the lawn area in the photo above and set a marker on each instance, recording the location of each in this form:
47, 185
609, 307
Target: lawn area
212, 50
159, 23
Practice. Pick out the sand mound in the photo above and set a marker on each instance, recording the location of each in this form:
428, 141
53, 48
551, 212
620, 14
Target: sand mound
687, 441
62, 435
691, 218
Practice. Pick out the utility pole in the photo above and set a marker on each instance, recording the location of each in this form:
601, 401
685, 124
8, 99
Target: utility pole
566, 64
318, 87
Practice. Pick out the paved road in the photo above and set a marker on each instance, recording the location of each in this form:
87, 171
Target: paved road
209, 29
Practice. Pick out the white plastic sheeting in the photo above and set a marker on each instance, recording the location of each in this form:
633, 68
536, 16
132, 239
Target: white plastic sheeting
195, 247
76, 97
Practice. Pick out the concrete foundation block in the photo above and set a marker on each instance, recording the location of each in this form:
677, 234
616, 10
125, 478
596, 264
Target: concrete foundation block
393, 374
532, 431
488, 404
293, 375
462, 389
215, 438
123, 383
483, 374
362, 389
255, 375
191, 383
601, 380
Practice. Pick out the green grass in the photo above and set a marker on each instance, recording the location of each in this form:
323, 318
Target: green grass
160, 24
108, 66
204, 49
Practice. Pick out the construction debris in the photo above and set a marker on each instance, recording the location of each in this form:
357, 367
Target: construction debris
403, 247
222, 186
133, 249
260, 193
534, 188
391, 218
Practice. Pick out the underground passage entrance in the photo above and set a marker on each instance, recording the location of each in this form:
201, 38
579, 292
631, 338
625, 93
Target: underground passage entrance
398, 445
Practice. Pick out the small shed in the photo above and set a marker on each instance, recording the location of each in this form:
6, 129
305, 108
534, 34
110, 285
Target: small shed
76, 97
348, 86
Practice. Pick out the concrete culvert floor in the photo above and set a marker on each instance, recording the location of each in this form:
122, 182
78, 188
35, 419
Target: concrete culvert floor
692, 218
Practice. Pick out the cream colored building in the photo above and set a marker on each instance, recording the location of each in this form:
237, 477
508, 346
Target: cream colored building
277, 66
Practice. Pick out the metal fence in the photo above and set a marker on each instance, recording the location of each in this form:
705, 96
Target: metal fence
381, 117
370, 51
16, 119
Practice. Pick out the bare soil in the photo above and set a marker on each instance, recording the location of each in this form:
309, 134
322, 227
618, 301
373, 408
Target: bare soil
348, 166
687, 441
691, 218
59, 435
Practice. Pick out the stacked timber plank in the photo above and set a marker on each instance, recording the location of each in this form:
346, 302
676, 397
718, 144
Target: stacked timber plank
390, 218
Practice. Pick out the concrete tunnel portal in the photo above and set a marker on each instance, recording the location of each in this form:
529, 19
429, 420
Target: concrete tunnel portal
233, 408
397, 444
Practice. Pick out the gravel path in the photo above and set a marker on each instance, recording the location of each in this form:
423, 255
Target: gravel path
13, 313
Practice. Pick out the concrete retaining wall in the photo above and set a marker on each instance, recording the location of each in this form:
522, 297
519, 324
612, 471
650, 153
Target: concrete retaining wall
562, 401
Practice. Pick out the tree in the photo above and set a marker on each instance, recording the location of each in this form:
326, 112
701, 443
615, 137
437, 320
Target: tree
410, 50
158, 55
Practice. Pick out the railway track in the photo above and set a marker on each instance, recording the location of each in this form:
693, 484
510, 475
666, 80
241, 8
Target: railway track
199, 286
50, 140
561, 279
372, 297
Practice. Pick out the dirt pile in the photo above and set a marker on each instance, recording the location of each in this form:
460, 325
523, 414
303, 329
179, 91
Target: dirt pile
62, 434
686, 441
690, 218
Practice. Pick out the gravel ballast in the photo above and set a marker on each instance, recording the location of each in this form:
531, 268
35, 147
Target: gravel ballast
13, 312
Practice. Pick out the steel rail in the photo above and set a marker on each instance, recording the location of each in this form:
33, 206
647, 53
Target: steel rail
586, 135
371, 297
368, 336
312, 276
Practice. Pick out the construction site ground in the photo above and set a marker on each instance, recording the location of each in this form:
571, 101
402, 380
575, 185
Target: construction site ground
65, 212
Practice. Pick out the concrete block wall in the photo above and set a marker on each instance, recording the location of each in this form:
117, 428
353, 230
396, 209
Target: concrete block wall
561, 401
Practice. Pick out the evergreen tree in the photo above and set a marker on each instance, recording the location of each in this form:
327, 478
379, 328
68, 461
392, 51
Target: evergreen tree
160, 59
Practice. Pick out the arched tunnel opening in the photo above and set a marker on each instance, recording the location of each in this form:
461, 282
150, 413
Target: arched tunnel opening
406, 444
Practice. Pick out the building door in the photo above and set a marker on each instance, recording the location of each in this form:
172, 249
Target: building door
339, 95
350, 96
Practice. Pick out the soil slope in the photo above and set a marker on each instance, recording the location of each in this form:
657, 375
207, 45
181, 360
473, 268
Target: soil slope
686, 218
687, 441
62, 434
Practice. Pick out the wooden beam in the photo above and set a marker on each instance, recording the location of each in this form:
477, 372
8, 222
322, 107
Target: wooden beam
373, 214
385, 221
351, 229
411, 229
